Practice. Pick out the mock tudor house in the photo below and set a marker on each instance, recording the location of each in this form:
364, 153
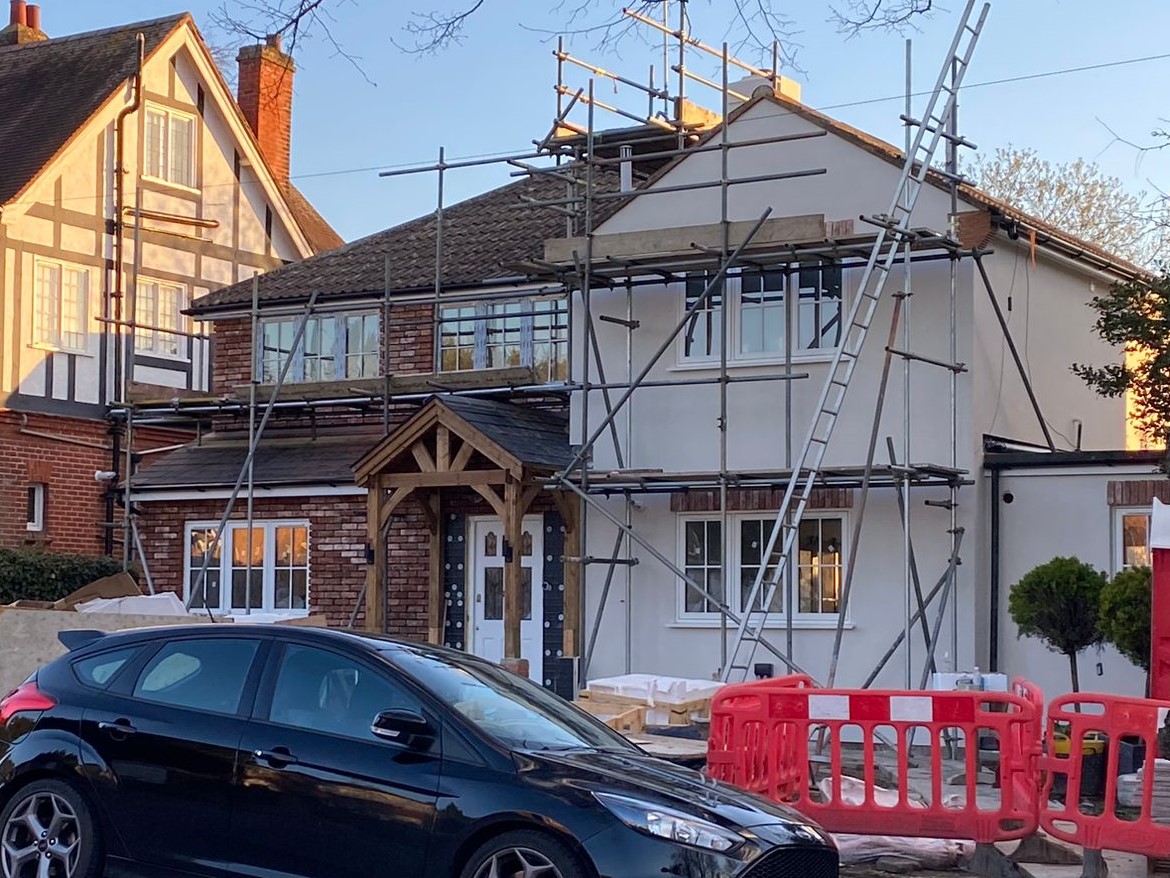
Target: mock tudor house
131, 183
408, 477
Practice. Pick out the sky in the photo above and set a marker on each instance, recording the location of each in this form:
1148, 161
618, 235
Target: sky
493, 93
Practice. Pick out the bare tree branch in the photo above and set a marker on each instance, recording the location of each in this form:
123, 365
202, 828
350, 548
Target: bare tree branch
433, 31
854, 16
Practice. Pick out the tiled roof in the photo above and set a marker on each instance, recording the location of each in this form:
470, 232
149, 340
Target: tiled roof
533, 436
216, 463
48, 89
480, 235
320, 234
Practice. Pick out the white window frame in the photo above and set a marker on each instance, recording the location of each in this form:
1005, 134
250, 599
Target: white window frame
52, 337
340, 352
732, 566
37, 495
479, 322
170, 114
268, 567
150, 334
1119, 513
733, 289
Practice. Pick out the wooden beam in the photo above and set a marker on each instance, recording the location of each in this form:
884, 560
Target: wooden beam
388, 506
462, 457
493, 499
426, 463
437, 605
376, 572
448, 479
570, 508
513, 569
442, 448
530, 494
429, 505
483, 443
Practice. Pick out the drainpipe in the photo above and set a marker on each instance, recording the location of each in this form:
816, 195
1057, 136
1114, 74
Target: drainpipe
993, 647
117, 227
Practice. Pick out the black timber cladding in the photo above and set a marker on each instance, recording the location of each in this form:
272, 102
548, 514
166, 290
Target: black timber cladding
455, 581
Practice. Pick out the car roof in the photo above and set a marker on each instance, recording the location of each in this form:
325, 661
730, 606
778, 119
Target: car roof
377, 643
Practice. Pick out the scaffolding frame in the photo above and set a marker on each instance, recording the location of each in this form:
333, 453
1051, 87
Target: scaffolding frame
570, 152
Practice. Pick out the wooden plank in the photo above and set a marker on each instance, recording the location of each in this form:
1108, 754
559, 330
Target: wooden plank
316, 389
476, 379
388, 506
436, 604
513, 529
422, 457
443, 448
466, 478
492, 498
684, 239
570, 508
376, 572
462, 457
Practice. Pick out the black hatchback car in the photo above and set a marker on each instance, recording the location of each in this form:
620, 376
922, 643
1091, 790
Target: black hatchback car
280, 751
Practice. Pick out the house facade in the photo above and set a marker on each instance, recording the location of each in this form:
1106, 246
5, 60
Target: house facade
410, 469
132, 183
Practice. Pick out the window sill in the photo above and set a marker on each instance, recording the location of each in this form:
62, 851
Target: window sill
769, 362
55, 349
772, 625
179, 187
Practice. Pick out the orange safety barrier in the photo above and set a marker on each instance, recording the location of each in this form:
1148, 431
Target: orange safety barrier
766, 737
1087, 717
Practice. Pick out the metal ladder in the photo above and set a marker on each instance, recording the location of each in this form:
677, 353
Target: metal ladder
893, 229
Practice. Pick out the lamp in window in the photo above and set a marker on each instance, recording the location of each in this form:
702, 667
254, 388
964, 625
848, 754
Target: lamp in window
832, 548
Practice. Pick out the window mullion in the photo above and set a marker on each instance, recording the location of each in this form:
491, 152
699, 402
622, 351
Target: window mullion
480, 358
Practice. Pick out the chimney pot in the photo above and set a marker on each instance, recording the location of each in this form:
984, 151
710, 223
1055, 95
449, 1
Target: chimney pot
17, 13
273, 41
33, 17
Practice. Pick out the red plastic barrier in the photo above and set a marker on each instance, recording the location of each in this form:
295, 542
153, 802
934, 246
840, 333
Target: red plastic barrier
766, 736
1116, 718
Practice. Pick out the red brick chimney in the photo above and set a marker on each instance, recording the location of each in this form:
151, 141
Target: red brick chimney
265, 96
24, 25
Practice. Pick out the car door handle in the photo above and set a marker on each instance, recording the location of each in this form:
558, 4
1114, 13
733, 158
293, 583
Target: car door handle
277, 758
118, 728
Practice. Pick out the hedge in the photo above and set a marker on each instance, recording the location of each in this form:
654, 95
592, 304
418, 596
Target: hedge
37, 575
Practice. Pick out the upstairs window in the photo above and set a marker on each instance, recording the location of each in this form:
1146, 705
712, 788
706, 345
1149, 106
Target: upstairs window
61, 317
159, 315
335, 347
796, 304
169, 150
500, 335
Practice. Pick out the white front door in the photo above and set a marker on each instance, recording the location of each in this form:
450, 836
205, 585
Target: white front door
487, 570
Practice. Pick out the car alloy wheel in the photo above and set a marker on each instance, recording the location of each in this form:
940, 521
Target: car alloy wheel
517, 863
42, 838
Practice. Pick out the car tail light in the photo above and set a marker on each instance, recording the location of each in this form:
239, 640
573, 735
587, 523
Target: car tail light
25, 699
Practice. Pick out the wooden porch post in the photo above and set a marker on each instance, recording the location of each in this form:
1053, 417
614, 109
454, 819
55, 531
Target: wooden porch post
436, 610
513, 571
375, 572
570, 509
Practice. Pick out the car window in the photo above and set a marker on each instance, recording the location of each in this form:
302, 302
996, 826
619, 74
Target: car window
323, 691
97, 671
207, 674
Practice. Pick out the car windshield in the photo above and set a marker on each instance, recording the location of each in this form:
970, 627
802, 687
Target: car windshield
511, 709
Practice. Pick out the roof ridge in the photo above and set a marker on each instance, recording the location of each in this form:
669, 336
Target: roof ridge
100, 32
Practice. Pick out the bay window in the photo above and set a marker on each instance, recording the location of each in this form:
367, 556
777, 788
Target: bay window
501, 335
816, 568
266, 570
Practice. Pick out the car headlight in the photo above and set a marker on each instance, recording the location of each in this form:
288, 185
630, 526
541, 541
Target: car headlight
669, 824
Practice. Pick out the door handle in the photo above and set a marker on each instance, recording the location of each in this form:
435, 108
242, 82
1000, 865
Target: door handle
278, 757
119, 728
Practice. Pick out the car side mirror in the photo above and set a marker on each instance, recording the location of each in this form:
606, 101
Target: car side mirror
402, 726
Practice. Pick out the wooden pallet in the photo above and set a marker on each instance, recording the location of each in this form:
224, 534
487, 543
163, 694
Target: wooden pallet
680, 713
620, 717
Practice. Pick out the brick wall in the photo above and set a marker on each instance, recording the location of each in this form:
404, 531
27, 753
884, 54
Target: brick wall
231, 354
64, 455
337, 543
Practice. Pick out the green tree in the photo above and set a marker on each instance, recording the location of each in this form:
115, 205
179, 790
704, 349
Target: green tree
1059, 602
1125, 614
1134, 316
